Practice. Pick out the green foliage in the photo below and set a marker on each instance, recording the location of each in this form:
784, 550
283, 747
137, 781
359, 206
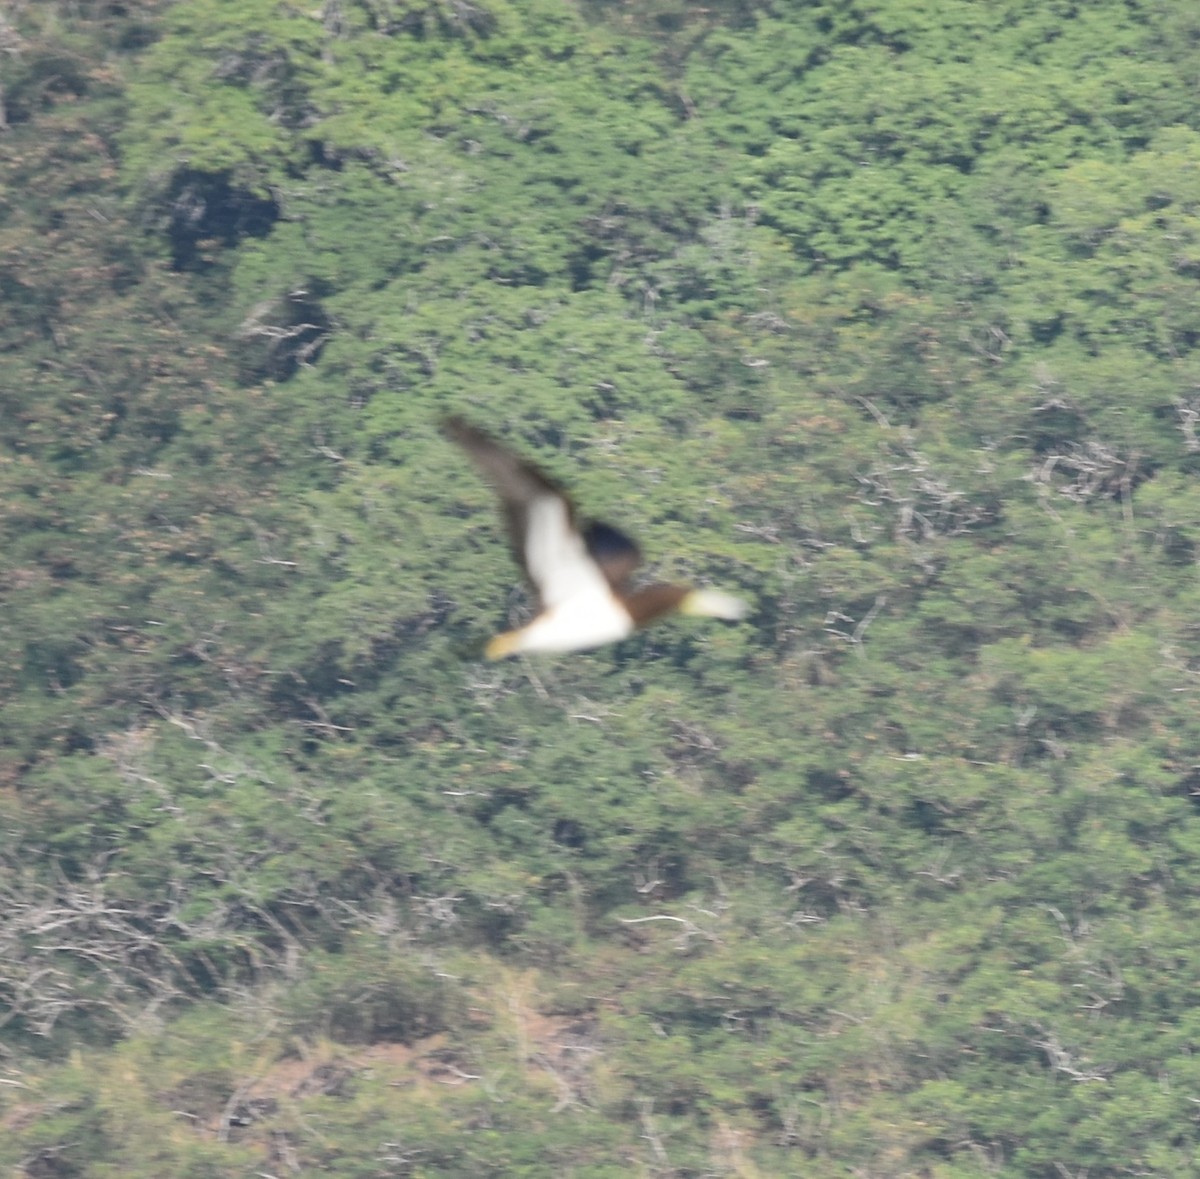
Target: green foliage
369, 993
265, 63
897, 878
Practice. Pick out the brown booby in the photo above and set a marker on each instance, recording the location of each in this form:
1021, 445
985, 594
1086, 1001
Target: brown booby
581, 576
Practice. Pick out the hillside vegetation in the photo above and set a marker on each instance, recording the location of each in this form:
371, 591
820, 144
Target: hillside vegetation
883, 315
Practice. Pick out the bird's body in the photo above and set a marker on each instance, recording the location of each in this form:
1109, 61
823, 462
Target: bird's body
581, 576
587, 620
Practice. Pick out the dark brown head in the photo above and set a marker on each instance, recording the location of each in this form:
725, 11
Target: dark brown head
652, 602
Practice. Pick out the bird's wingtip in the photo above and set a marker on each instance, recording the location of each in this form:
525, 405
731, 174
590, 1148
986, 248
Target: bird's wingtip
457, 427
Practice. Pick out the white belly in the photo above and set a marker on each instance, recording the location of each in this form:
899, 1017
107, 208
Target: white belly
583, 621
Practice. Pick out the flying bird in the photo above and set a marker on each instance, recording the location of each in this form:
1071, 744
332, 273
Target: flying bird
581, 575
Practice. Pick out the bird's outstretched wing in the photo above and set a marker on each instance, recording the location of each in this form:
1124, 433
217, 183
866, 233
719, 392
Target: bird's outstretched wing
559, 561
613, 551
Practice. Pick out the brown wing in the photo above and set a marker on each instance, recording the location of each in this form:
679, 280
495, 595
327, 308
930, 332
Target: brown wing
517, 482
556, 558
613, 551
